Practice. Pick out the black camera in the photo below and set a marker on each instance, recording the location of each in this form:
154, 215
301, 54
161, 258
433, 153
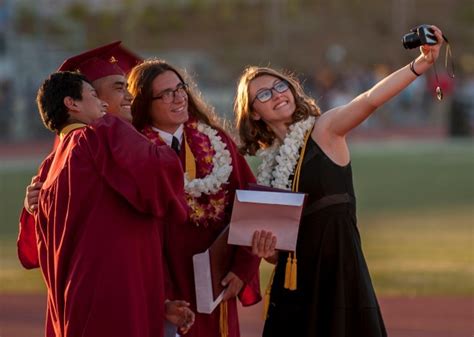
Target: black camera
419, 36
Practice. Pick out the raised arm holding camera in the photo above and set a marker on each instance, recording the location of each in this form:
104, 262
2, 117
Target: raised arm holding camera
306, 151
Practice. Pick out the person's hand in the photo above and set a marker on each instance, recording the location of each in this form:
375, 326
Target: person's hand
263, 245
431, 52
179, 314
233, 283
32, 192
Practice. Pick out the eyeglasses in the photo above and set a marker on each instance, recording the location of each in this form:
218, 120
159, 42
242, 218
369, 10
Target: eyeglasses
266, 94
169, 95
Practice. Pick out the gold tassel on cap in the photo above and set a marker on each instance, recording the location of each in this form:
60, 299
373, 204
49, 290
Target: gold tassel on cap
223, 321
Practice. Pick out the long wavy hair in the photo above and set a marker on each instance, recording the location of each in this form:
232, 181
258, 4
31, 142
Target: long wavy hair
140, 85
255, 134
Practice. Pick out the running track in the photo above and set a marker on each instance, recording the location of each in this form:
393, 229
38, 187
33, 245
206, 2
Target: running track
23, 316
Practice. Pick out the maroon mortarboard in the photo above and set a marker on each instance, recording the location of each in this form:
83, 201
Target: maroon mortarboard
111, 59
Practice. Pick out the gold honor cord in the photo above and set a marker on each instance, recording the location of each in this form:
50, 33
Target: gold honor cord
223, 319
68, 128
291, 263
296, 179
190, 161
291, 270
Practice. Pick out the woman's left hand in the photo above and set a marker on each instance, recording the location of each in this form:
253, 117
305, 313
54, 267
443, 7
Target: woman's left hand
263, 244
233, 283
431, 52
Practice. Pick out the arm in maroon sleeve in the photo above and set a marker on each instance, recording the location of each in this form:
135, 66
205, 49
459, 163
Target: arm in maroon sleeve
27, 247
26, 243
148, 176
246, 264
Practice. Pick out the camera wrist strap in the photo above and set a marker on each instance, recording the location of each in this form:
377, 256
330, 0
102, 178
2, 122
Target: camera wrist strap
439, 92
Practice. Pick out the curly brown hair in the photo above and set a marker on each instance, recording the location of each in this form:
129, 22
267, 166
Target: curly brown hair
255, 134
140, 85
51, 94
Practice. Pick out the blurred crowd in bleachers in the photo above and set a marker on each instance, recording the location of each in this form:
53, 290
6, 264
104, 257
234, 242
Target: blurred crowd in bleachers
36, 36
416, 107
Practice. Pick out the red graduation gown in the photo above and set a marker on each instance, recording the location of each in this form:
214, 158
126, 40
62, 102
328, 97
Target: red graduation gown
99, 230
186, 240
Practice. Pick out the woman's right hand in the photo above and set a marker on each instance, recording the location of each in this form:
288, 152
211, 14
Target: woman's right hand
431, 52
32, 192
263, 245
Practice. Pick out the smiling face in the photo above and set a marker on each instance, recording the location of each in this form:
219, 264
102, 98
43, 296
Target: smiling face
276, 111
113, 90
90, 107
168, 116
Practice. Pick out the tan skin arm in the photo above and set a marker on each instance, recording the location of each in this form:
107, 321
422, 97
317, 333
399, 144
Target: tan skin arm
332, 127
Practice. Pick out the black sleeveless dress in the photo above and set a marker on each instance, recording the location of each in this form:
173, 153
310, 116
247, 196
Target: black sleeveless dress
334, 296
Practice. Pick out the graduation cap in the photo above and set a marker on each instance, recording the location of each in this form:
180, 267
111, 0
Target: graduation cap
110, 59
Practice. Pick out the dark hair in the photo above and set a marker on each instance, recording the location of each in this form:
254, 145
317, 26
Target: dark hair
255, 134
51, 94
140, 85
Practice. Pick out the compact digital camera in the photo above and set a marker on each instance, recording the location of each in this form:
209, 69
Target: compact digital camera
419, 36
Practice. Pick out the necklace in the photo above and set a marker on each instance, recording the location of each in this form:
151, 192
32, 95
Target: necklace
280, 159
214, 157
206, 196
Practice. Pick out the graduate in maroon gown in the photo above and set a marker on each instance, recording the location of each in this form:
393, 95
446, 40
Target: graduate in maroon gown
105, 67
99, 216
168, 111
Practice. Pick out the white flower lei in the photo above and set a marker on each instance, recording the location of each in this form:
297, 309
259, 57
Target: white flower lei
276, 169
222, 166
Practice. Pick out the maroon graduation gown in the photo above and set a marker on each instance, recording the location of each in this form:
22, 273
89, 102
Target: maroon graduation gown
186, 240
99, 231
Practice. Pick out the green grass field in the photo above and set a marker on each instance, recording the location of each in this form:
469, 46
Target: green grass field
415, 212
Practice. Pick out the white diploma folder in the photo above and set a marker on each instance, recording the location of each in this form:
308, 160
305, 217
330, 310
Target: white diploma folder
210, 267
277, 212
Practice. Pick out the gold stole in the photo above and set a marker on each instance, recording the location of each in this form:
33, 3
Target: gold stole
190, 160
68, 128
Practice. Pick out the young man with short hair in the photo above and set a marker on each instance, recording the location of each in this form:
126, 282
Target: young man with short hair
99, 218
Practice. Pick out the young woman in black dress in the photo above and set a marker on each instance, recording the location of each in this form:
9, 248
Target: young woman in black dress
304, 150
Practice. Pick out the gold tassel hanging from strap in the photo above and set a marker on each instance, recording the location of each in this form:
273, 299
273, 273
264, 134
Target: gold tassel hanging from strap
294, 275
223, 320
291, 270
288, 272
